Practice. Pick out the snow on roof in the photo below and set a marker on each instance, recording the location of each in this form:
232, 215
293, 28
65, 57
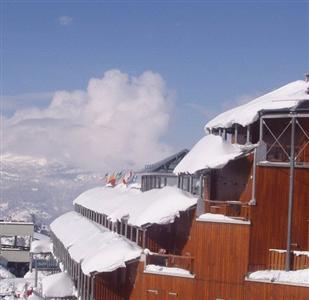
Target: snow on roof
159, 206
210, 152
95, 247
299, 276
41, 246
287, 96
58, 285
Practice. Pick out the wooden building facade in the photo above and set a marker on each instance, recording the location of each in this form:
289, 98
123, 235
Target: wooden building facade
261, 199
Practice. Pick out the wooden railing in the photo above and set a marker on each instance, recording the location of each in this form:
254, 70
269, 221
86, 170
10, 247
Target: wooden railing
276, 259
169, 260
300, 260
228, 208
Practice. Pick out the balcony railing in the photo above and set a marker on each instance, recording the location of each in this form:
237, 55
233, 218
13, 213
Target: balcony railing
228, 208
133, 233
157, 181
276, 259
171, 261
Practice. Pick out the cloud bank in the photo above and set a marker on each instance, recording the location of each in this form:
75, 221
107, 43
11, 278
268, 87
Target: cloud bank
117, 122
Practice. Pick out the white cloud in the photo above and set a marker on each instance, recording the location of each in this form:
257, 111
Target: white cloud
117, 122
18, 101
65, 20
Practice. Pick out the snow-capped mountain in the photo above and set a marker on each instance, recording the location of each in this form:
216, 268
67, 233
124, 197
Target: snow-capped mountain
35, 187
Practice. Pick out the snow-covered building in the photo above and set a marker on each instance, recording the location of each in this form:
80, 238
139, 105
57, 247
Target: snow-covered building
239, 208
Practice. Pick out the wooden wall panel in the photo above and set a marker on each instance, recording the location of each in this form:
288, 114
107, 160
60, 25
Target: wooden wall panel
269, 291
175, 238
269, 216
160, 287
222, 251
233, 182
224, 291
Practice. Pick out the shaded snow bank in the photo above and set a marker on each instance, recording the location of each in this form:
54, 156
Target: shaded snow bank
58, 285
160, 206
210, 152
167, 270
5, 274
219, 218
287, 96
95, 247
297, 277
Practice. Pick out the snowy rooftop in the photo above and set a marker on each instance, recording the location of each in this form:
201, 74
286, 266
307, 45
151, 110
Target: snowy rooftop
95, 247
288, 96
210, 152
160, 206
58, 285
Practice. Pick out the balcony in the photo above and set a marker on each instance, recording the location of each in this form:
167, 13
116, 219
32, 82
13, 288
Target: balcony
230, 208
168, 264
276, 259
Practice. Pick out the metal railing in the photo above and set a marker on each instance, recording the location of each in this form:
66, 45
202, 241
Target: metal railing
133, 233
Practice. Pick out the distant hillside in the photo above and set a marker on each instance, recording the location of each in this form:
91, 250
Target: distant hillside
30, 186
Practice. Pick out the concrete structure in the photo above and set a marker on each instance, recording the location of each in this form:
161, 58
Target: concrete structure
12, 252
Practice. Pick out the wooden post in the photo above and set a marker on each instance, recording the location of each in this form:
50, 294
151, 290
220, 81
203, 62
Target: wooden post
78, 279
248, 134
136, 238
144, 239
236, 134
261, 129
92, 287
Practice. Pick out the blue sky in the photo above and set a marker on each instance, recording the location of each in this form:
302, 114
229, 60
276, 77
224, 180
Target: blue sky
213, 55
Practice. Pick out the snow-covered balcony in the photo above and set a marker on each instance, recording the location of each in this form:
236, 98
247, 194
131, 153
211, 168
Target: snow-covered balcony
157, 181
160, 174
277, 259
224, 175
85, 249
236, 209
167, 264
136, 215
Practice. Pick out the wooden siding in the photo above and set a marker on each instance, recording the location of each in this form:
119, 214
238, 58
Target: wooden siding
116, 285
161, 287
210, 290
234, 181
221, 252
174, 238
269, 216
270, 291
